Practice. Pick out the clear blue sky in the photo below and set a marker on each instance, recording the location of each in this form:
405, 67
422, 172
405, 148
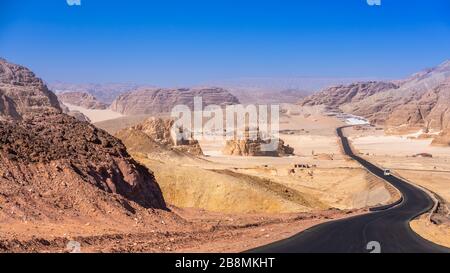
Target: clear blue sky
185, 42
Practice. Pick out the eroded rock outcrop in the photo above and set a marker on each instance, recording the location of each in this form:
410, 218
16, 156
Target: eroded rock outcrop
249, 147
154, 101
22, 93
253, 146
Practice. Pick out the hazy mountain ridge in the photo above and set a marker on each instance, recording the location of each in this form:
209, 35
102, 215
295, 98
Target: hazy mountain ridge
154, 101
421, 101
105, 93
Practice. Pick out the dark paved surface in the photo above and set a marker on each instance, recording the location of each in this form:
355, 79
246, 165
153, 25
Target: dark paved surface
389, 227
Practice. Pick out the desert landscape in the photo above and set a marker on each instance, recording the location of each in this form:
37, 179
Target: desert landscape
110, 175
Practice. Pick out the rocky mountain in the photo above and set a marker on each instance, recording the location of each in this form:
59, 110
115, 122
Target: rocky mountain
105, 93
266, 90
336, 96
421, 101
153, 101
81, 99
156, 135
51, 163
22, 93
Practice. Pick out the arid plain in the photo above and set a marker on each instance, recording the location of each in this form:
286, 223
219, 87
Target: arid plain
113, 179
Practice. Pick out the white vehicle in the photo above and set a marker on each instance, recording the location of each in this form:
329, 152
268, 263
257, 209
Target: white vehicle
387, 172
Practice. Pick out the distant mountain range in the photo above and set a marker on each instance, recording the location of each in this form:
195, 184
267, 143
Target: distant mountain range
105, 93
421, 101
247, 90
147, 101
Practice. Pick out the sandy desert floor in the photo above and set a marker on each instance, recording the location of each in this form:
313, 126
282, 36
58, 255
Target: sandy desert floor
191, 230
95, 115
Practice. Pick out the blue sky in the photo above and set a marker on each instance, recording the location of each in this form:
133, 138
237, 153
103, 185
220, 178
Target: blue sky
188, 42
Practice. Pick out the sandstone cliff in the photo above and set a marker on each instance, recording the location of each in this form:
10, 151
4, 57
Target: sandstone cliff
22, 94
153, 101
336, 96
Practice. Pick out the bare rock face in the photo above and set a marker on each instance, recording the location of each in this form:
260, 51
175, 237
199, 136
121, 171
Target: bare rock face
339, 95
81, 99
22, 93
421, 101
153, 101
157, 133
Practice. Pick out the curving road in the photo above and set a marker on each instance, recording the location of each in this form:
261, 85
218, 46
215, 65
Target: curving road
388, 226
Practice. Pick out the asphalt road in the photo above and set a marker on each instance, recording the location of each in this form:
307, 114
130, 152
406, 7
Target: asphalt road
385, 230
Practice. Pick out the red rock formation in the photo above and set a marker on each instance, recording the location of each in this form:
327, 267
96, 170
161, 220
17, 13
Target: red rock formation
90, 154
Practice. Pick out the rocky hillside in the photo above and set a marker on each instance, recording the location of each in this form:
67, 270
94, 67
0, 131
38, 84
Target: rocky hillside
336, 96
81, 151
153, 101
421, 101
156, 135
22, 94
81, 99
51, 163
